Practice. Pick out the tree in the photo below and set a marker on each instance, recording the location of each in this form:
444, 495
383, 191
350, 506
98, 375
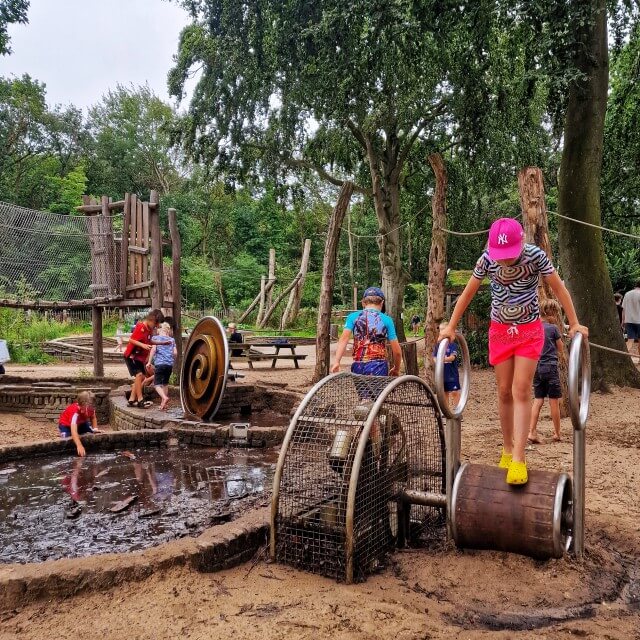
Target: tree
11, 12
581, 248
346, 90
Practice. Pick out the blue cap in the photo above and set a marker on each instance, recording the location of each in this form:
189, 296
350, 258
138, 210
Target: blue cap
372, 292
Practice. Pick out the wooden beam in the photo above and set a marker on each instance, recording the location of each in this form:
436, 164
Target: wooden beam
157, 294
124, 247
176, 289
140, 285
107, 243
142, 251
98, 354
97, 208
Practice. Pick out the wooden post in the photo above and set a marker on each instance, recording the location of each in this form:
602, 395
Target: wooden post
107, 240
254, 304
323, 342
157, 295
124, 245
263, 298
272, 276
536, 227
293, 305
98, 355
176, 257
409, 357
437, 263
355, 297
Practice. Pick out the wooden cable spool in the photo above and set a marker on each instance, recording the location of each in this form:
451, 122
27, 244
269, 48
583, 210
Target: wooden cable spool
204, 369
533, 519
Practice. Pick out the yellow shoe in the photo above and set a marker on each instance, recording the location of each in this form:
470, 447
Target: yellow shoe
517, 473
505, 460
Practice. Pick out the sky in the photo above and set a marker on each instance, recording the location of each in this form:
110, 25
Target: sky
82, 48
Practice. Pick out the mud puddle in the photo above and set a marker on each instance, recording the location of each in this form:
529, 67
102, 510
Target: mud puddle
57, 507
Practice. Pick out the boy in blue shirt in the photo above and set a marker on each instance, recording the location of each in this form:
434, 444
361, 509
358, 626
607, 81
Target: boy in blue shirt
164, 354
451, 376
371, 330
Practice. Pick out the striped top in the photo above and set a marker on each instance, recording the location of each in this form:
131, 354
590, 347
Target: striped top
514, 289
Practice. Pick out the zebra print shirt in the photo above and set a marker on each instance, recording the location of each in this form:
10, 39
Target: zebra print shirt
514, 289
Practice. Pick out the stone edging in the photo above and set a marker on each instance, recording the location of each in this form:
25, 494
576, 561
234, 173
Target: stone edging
217, 548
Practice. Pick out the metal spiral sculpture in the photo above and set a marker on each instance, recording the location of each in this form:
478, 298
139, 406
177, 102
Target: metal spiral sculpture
204, 369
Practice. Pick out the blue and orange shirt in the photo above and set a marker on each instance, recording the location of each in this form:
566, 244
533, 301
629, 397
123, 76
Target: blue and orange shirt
371, 330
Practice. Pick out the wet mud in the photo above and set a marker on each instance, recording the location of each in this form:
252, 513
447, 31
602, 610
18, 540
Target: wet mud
59, 507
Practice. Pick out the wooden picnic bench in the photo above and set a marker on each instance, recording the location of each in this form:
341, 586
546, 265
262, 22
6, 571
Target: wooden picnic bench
250, 353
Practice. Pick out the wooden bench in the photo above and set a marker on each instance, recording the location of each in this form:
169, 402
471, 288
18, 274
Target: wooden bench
250, 354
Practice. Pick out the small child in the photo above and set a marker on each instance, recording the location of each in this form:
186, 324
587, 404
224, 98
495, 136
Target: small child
79, 418
415, 324
546, 382
136, 355
234, 337
451, 375
371, 330
163, 353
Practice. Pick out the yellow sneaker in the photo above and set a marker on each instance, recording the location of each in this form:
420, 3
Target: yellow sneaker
505, 460
517, 473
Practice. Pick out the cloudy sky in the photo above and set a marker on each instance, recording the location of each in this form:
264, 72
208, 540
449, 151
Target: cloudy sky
81, 48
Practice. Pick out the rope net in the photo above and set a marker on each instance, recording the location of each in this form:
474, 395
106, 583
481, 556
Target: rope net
55, 257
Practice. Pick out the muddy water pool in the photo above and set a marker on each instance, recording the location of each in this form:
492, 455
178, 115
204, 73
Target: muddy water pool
55, 507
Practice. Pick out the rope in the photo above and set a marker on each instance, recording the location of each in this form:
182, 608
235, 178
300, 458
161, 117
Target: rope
472, 233
622, 353
378, 235
595, 226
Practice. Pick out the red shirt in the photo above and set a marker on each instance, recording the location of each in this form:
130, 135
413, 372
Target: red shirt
85, 414
141, 333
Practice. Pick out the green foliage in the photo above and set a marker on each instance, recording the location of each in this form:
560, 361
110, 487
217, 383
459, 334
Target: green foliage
624, 266
11, 12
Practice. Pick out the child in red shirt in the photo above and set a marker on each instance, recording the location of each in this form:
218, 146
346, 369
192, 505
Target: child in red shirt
136, 355
79, 418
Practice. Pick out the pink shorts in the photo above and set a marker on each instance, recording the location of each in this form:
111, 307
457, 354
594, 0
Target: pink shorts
509, 340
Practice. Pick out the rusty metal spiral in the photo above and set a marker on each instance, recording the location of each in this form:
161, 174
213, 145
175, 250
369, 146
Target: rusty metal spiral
204, 369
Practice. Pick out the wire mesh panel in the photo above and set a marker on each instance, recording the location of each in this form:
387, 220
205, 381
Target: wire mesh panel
354, 445
50, 256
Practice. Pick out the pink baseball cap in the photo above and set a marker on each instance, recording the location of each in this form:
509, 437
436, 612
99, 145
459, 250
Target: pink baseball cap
505, 239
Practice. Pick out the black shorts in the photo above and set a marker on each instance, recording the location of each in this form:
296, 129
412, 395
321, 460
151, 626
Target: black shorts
135, 366
633, 330
546, 383
162, 374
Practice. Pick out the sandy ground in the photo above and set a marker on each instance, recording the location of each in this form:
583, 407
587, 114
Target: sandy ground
434, 593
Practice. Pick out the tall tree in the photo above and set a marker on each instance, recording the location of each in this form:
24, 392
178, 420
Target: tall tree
347, 89
11, 12
582, 255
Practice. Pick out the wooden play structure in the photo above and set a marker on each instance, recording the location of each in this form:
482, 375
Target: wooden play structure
113, 255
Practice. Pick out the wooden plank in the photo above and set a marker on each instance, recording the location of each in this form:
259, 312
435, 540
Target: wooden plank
144, 274
131, 271
124, 247
97, 208
136, 302
106, 225
138, 243
140, 285
140, 251
176, 291
157, 293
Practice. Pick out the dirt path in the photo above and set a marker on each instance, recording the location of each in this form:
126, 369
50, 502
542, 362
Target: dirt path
437, 593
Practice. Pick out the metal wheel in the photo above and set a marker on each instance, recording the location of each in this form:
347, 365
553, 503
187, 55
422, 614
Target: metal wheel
204, 369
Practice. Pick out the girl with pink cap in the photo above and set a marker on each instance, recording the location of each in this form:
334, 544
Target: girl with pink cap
516, 334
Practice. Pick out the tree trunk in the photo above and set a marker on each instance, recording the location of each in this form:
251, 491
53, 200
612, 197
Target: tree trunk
386, 198
293, 305
536, 226
582, 255
437, 263
323, 340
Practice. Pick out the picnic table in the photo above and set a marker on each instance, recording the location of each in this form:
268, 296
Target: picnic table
250, 352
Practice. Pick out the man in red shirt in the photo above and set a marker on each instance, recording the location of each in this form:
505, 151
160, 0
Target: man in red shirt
136, 355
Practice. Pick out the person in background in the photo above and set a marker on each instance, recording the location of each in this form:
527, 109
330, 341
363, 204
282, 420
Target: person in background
79, 418
631, 316
234, 336
372, 330
136, 355
546, 382
119, 334
618, 300
415, 324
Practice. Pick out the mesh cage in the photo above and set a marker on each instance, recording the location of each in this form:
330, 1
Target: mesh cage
355, 444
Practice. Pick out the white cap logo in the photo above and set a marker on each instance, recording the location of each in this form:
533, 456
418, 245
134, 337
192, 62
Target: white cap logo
502, 238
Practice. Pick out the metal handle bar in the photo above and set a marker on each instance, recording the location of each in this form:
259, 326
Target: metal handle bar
464, 378
579, 398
